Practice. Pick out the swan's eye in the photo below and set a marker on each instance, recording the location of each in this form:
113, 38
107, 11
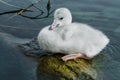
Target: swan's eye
61, 18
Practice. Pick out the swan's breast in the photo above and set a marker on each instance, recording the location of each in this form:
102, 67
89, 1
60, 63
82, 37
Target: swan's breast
48, 39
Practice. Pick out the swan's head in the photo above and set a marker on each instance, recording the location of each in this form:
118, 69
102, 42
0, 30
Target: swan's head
62, 17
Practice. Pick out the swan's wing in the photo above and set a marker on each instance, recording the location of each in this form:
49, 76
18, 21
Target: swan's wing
68, 35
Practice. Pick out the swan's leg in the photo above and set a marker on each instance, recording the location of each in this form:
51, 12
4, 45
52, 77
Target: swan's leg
74, 56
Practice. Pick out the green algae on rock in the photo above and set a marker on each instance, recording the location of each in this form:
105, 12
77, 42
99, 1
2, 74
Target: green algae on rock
78, 69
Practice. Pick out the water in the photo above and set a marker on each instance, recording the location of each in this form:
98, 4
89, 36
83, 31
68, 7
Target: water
101, 14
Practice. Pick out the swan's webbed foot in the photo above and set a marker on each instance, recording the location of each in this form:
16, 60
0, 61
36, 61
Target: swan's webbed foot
74, 56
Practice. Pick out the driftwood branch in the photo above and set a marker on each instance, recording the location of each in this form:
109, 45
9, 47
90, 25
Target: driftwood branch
27, 9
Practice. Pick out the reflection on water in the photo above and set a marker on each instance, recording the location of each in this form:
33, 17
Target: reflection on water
103, 15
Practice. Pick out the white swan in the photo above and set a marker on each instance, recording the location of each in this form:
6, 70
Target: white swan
78, 40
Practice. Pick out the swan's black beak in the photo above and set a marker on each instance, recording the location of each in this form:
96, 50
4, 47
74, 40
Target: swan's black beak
51, 27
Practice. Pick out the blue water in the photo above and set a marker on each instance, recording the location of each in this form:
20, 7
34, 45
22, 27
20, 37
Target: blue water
14, 30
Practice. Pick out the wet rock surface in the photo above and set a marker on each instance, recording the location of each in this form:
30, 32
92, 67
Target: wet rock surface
78, 69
